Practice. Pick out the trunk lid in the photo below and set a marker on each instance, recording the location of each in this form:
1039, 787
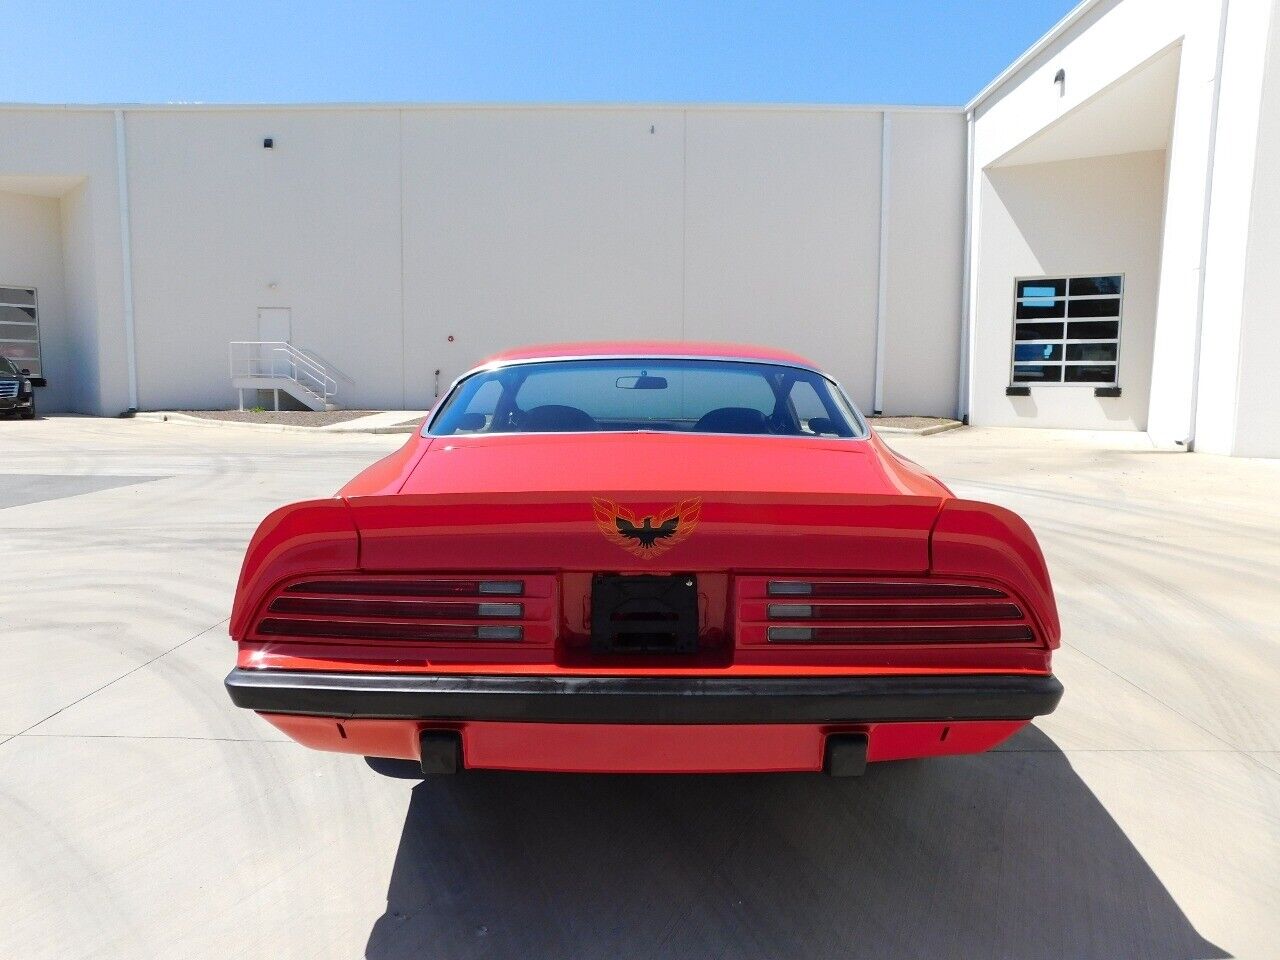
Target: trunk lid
657, 461
552, 503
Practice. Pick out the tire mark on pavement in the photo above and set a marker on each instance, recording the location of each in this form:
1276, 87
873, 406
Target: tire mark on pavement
109, 683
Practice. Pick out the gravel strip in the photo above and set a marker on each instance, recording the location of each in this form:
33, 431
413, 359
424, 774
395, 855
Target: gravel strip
910, 423
295, 418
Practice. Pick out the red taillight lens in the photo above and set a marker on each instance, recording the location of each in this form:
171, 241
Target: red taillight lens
411, 588
387, 631
394, 609
868, 612
893, 611
936, 633
878, 589
437, 609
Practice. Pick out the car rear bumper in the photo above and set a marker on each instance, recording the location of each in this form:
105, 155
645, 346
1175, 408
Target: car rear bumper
641, 748
645, 700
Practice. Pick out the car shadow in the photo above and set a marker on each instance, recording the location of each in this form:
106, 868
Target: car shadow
1003, 855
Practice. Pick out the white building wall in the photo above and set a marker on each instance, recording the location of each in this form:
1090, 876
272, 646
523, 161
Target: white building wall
222, 227
79, 384
1242, 253
1174, 360
525, 226
1095, 217
782, 236
1257, 426
924, 271
74, 151
1113, 39
410, 240
31, 255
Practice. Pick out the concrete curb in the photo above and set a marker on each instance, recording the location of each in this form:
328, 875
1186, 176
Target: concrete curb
166, 417
918, 431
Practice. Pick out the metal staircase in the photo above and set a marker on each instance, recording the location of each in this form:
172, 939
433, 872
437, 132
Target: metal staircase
279, 366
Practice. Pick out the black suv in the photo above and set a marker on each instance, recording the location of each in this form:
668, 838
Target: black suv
16, 392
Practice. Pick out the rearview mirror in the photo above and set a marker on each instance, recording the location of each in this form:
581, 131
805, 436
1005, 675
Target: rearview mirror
470, 421
642, 382
26, 372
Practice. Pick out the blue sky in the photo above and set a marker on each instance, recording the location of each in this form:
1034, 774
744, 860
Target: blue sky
266, 51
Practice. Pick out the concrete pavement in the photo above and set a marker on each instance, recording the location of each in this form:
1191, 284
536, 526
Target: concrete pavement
141, 815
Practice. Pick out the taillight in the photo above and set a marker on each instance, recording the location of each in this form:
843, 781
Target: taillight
893, 611
413, 609
863, 612
396, 587
878, 589
394, 609
934, 633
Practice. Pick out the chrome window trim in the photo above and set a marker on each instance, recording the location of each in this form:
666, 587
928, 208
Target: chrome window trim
860, 422
518, 361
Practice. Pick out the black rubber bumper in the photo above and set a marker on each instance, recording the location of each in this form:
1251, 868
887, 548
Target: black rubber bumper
645, 699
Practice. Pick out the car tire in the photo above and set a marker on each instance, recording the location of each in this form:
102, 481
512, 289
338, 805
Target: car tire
30, 412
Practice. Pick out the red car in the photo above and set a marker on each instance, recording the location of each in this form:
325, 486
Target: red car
645, 557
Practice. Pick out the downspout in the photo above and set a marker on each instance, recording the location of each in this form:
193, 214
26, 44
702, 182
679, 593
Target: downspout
882, 281
966, 282
126, 259
1204, 227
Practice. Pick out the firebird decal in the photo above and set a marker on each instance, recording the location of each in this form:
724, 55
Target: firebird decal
649, 536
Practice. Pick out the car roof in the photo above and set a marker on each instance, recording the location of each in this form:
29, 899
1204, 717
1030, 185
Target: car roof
650, 348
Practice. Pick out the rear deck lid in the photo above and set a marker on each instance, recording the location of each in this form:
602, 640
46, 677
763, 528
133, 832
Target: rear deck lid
651, 502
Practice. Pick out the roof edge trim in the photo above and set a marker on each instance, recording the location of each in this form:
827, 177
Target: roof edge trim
1073, 17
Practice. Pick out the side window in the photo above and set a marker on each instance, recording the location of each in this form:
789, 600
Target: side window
1067, 330
816, 418
478, 414
806, 402
20, 328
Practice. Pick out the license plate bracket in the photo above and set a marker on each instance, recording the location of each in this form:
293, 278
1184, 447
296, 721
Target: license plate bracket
644, 613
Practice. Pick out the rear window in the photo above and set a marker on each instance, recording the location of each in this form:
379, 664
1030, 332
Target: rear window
665, 395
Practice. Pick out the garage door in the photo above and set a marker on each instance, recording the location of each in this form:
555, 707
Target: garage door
20, 328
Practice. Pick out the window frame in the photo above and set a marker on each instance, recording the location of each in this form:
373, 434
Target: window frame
1064, 341
38, 377
862, 431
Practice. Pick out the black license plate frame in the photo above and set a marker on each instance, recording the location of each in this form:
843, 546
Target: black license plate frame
645, 613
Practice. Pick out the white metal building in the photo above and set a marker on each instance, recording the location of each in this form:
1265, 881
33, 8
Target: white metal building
1092, 242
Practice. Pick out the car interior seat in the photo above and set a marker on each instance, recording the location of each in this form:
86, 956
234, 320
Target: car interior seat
556, 418
732, 420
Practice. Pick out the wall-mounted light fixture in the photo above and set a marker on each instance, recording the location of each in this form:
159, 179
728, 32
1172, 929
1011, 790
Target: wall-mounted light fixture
268, 143
1060, 80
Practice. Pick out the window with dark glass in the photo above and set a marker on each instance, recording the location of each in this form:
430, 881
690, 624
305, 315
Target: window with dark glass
1067, 330
20, 328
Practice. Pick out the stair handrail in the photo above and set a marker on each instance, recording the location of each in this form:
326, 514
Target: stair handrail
314, 371
249, 357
